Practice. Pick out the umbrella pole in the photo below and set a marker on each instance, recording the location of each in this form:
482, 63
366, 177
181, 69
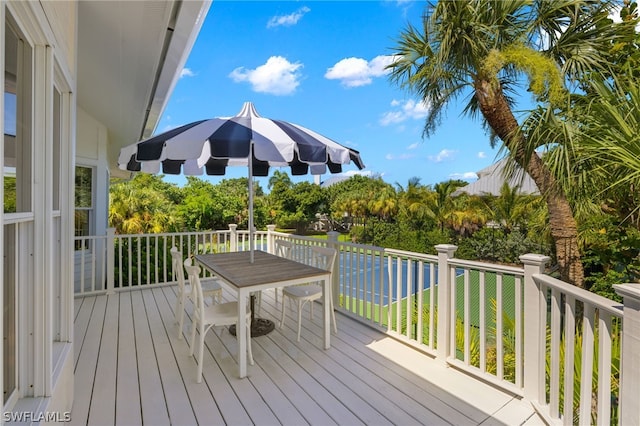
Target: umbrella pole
251, 202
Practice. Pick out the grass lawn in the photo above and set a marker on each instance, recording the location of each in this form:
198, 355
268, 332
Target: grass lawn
380, 313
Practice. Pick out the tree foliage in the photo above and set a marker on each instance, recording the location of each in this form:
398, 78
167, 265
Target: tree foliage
485, 50
583, 71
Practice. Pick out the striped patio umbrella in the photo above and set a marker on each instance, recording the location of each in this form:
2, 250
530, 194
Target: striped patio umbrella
249, 140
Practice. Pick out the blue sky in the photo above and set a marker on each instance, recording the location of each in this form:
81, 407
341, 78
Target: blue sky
320, 64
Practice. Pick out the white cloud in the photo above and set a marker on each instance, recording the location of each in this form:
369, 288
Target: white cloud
403, 156
288, 20
399, 156
187, 72
408, 110
355, 72
277, 76
482, 154
463, 176
445, 154
358, 172
392, 117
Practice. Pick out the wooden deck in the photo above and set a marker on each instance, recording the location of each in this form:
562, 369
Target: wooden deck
130, 369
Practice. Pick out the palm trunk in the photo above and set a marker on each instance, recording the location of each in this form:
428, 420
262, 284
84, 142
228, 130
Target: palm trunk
564, 230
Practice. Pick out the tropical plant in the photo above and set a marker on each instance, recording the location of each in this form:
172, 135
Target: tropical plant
412, 201
384, 204
482, 48
9, 194
577, 371
141, 206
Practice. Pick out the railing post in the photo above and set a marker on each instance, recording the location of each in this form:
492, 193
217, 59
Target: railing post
111, 248
445, 252
630, 356
534, 334
271, 239
332, 241
233, 237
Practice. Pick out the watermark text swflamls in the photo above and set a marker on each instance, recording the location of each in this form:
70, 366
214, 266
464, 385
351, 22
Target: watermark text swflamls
30, 416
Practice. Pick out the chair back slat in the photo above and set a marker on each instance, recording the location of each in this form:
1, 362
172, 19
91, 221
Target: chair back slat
323, 257
176, 265
284, 248
193, 272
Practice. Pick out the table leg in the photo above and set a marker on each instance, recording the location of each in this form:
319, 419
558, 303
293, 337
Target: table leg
259, 326
326, 312
242, 335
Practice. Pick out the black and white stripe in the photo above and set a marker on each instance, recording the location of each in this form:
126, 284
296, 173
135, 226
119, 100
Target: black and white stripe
209, 146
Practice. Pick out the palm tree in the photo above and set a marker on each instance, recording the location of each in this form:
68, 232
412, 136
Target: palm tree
511, 209
134, 209
441, 203
384, 204
469, 214
482, 48
610, 137
413, 201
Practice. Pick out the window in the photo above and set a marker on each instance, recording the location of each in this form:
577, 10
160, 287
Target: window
17, 124
57, 124
18, 206
84, 204
9, 149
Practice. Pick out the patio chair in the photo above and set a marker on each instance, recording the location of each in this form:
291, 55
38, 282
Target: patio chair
206, 317
210, 287
321, 257
283, 248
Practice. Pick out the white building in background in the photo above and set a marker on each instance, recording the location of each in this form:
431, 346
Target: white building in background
81, 80
491, 179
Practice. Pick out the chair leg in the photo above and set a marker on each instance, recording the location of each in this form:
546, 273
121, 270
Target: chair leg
249, 350
178, 308
180, 318
192, 339
283, 313
333, 316
200, 355
299, 318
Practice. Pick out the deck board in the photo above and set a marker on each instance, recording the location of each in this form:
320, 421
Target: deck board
200, 397
178, 405
152, 399
87, 359
128, 409
365, 378
103, 406
83, 309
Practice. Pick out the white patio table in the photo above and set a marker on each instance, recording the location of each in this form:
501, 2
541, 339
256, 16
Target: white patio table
267, 271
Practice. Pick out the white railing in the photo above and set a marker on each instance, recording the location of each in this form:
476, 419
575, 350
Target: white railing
409, 297
485, 313
90, 265
581, 335
555, 345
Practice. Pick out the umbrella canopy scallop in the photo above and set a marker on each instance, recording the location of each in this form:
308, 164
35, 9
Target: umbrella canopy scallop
209, 146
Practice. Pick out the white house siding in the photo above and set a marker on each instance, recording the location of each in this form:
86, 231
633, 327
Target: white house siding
91, 151
66, 42
37, 239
